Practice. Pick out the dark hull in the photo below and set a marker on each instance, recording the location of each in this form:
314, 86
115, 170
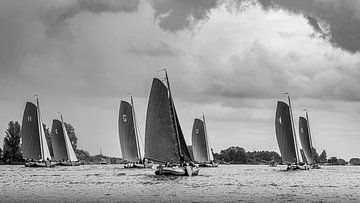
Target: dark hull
177, 171
210, 165
138, 165
315, 166
294, 167
40, 164
69, 163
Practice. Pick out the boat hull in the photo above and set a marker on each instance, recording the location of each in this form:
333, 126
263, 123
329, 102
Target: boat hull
294, 167
69, 163
177, 171
210, 165
315, 166
138, 165
39, 164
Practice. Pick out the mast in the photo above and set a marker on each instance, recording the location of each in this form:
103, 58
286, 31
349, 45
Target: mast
207, 139
293, 129
40, 128
173, 113
135, 128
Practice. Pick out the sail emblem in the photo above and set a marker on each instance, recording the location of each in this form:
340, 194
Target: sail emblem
56, 132
302, 130
29, 118
280, 120
124, 118
197, 131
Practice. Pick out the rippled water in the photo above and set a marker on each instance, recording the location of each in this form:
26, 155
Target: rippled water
225, 183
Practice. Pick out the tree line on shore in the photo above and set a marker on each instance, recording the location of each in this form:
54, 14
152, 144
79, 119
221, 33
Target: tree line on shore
11, 151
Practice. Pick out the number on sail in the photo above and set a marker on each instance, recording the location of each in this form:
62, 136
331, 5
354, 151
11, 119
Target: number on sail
124, 118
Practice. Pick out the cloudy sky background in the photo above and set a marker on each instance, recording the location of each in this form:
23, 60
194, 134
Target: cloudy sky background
231, 60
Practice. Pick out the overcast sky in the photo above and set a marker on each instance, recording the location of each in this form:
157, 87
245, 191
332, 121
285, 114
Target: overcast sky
231, 60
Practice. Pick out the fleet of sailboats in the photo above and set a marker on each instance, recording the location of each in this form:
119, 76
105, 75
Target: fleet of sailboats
164, 139
200, 144
286, 136
130, 138
63, 151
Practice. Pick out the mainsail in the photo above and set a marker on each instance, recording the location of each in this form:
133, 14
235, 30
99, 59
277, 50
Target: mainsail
63, 150
200, 142
128, 133
285, 134
305, 138
164, 140
34, 145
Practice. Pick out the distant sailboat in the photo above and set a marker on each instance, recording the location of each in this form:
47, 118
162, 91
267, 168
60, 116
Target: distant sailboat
129, 137
286, 137
34, 146
102, 159
306, 141
63, 150
164, 140
200, 144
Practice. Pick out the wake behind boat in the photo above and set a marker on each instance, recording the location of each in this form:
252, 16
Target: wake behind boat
34, 146
129, 137
286, 137
200, 144
63, 150
164, 140
306, 141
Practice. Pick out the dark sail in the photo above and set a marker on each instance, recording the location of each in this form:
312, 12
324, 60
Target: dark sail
58, 141
161, 144
284, 133
127, 134
305, 139
199, 145
31, 148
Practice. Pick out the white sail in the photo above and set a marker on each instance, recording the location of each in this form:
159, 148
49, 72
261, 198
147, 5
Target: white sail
209, 152
45, 154
69, 148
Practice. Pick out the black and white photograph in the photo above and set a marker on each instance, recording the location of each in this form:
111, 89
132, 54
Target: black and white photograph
180, 101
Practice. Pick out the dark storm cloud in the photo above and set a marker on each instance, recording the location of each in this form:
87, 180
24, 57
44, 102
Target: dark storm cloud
159, 49
56, 17
341, 16
175, 15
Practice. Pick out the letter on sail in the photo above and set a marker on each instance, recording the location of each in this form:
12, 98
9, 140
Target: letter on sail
127, 135
199, 143
63, 150
31, 148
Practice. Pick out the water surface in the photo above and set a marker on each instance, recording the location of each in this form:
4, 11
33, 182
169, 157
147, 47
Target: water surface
232, 183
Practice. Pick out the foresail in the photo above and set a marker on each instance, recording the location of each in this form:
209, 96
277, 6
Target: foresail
30, 133
44, 146
305, 139
69, 148
199, 145
284, 133
184, 149
58, 141
160, 136
127, 134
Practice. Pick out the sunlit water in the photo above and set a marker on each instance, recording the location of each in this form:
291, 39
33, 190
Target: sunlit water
93, 183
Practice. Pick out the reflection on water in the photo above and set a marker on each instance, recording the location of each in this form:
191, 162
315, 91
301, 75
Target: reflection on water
225, 183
